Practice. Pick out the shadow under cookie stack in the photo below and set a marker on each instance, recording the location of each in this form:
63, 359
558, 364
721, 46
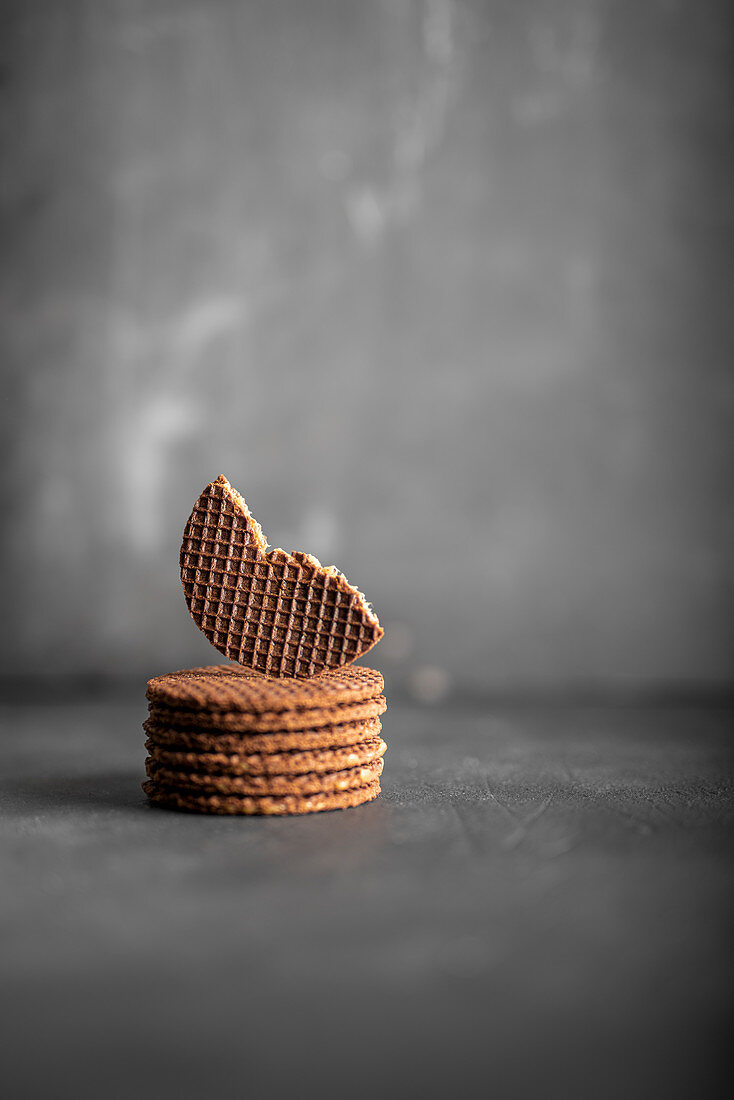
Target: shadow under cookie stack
293, 726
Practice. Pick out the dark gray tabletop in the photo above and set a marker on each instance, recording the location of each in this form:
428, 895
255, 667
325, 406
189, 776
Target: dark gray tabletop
538, 904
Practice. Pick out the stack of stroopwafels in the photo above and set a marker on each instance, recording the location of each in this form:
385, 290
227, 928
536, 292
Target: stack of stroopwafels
292, 727
229, 740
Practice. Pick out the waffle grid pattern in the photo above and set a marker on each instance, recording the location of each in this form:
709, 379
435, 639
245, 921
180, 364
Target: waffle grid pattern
281, 614
227, 688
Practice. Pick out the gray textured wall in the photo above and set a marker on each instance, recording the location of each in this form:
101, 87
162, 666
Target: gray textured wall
442, 287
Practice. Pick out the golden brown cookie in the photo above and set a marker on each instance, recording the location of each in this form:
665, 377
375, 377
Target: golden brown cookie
167, 735
272, 763
262, 785
226, 688
269, 721
250, 804
282, 614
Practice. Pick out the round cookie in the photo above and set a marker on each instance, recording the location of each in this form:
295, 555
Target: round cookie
277, 763
267, 721
249, 804
262, 785
226, 688
238, 744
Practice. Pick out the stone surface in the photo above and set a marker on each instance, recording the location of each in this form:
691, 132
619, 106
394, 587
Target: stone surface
538, 904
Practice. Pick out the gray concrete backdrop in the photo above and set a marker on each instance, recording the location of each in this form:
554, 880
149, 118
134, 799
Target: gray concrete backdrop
442, 287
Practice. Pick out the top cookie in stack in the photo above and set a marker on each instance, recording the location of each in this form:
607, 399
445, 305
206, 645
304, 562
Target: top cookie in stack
292, 727
227, 740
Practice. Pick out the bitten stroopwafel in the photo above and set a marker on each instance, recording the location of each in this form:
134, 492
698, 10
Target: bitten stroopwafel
282, 614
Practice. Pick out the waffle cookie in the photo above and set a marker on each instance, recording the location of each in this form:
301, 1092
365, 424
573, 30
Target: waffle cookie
269, 721
268, 763
285, 615
285, 754
230, 688
310, 783
212, 740
174, 799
